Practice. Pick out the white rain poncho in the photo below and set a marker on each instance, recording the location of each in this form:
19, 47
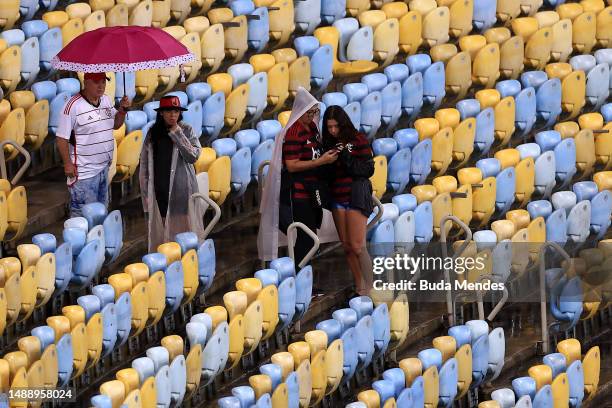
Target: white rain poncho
270, 237
183, 214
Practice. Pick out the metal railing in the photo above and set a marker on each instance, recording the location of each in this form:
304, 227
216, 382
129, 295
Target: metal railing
211, 204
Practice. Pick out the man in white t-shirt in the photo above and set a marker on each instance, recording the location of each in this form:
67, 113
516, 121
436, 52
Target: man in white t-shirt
85, 141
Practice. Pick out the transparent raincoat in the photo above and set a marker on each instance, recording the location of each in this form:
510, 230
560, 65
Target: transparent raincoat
270, 237
184, 214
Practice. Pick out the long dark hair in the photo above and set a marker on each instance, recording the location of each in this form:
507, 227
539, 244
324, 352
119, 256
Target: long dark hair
347, 129
159, 128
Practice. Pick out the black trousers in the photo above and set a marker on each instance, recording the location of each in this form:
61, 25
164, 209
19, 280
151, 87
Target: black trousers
304, 212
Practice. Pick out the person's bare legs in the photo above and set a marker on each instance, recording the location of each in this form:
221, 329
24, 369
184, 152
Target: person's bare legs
340, 219
356, 224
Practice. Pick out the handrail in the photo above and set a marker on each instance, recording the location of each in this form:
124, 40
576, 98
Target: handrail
291, 243
543, 313
214, 206
378, 215
22, 169
260, 177
450, 309
499, 304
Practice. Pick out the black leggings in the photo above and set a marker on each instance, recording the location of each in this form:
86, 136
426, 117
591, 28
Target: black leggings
304, 212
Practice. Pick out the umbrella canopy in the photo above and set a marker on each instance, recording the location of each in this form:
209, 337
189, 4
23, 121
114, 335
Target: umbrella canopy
122, 49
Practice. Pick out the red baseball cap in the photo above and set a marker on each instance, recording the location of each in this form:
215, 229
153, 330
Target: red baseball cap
96, 76
170, 102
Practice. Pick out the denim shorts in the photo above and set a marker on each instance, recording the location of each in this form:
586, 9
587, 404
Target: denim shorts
91, 190
342, 206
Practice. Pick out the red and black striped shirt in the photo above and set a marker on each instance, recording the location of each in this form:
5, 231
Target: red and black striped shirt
360, 149
301, 144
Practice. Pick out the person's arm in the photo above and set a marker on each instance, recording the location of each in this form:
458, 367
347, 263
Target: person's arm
187, 143
297, 165
124, 104
64, 130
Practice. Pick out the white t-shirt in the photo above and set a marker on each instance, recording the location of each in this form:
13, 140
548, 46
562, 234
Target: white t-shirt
91, 128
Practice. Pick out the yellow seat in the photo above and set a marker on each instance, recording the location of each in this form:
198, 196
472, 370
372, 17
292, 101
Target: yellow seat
142, 14
469, 175
253, 322
593, 5
317, 341
129, 378
139, 272
28, 254
459, 75
410, 38
485, 65
79, 339
585, 152
213, 48
268, 297
449, 117
489, 404
379, 178
72, 29
60, 326
261, 384
219, 174
104, 5
464, 369
584, 30
236, 38
193, 364
201, 6
118, 16
207, 157
174, 344
282, 23
488, 98
426, 128
133, 400
16, 360
156, 301
45, 278
218, 314
422, 6
19, 381
235, 108
278, 86
13, 128
573, 92
525, 179
508, 10
148, 393
591, 368
472, 44
560, 390
28, 293
520, 259
34, 377
146, 84
442, 206
299, 75
3, 310
604, 30
180, 9
567, 129
304, 382
442, 150
571, 349
121, 282
140, 307
431, 387
461, 13
370, 398
511, 57
447, 345
334, 361
413, 368
167, 78
3, 217
4, 376
386, 41
319, 377
235, 303
115, 390
161, 13
561, 47
399, 316
280, 396
520, 218
9, 14
603, 179
128, 156
497, 35
190, 276
251, 287
236, 340
284, 360
36, 124
300, 350
484, 201
94, 338
356, 7
95, 20
443, 52
330, 36
198, 25
542, 374
55, 18
504, 120
508, 158
504, 229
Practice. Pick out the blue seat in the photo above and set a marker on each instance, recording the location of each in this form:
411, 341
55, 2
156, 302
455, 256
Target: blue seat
585, 190
575, 376
174, 285
525, 111
245, 394
198, 91
85, 267
489, 167
163, 387
532, 150
382, 328
274, 372
480, 363
578, 221
509, 87
65, 356
258, 94
566, 300
335, 98
504, 396
50, 45
606, 112
90, 304
77, 222
94, 213
375, 82
332, 328
418, 392
262, 152
355, 92
247, 138
434, 88
405, 202
477, 329
523, 402
365, 341
307, 15
381, 238
213, 113
123, 309
596, 74
145, 368
448, 378
264, 402
149, 109
485, 130
321, 67
268, 129
63, 267
45, 334
545, 173
332, 10
34, 28
347, 318
556, 362
287, 296
27, 9
44, 90
113, 235
565, 160
206, 263
543, 398
505, 189
187, 241
502, 259
159, 355
362, 305
353, 110
420, 165
229, 402
405, 227
240, 170
397, 378
397, 72
206, 320
56, 106
484, 16
468, 108
70, 85
125, 85
109, 329
293, 390
548, 101
430, 357
46, 242
564, 199
306, 45
405, 400
461, 334
524, 386
601, 209
385, 389
135, 120
259, 29
350, 354
225, 147
242, 7
423, 215
398, 170
484, 239
105, 293
497, 352
196, 333
193, 117
539, 208
30, 60
405, 138
303, 285
215, 353
155, 262
267, 277
412, 95
101, 401
604, 56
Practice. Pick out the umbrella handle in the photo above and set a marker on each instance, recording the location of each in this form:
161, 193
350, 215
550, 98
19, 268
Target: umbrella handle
124, 92
182, 73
